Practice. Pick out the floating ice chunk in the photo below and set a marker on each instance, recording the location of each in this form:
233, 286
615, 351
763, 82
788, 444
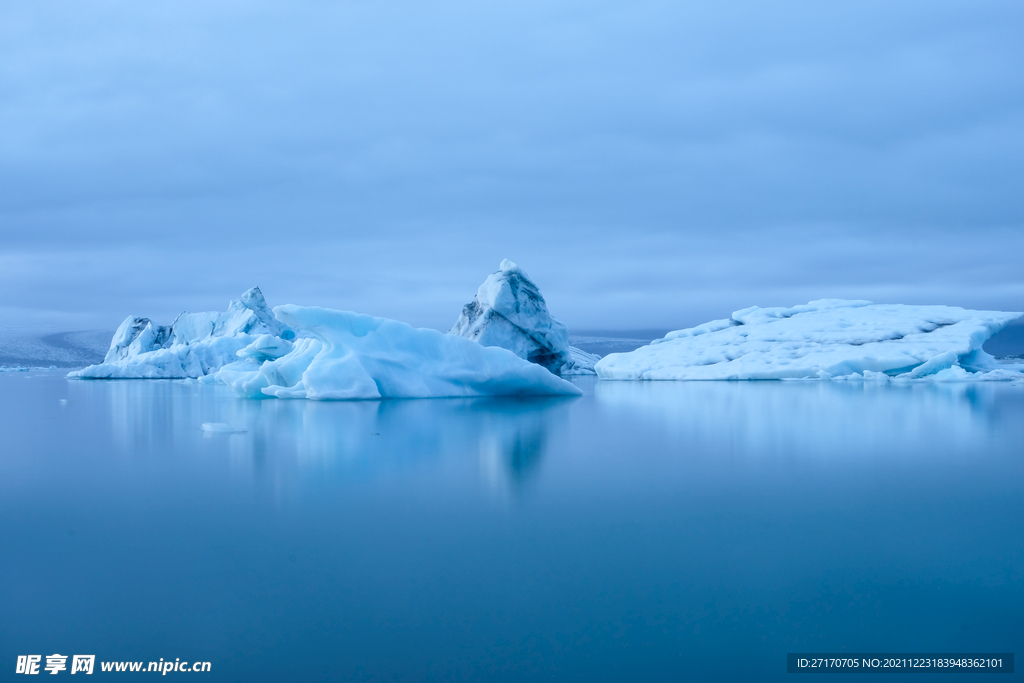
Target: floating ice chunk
580, 363
221, 428
826, 339
355, 356
509, 312
870, 376
194, 345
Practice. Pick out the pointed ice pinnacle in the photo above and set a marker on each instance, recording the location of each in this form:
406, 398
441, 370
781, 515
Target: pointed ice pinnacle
510, 312
193, 345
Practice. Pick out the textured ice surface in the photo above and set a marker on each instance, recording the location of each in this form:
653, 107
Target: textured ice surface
580, 362
195, 344
510, 312
353, 356
825, 339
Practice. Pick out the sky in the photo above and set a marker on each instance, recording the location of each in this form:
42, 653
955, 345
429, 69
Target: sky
649, 164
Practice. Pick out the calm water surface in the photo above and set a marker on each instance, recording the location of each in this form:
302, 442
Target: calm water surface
644, 531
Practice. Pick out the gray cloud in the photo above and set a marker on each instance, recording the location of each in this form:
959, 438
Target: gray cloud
651, 165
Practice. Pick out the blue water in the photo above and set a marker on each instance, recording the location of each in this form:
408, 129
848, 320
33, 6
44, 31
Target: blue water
644, 531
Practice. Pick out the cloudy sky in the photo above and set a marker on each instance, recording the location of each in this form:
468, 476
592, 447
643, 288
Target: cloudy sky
650, 164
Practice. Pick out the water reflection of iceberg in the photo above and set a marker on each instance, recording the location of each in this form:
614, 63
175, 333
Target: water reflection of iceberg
509, 433
816, 419
513, 441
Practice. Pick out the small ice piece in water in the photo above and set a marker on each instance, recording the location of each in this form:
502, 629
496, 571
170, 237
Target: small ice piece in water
221, 428
825, 339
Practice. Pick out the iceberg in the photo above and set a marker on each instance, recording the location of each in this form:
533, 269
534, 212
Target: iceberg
194, 345
509, 312
825, 339
354, 356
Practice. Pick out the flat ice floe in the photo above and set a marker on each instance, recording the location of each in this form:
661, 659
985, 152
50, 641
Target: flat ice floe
825, 339
353, 356
194, 345
510, 312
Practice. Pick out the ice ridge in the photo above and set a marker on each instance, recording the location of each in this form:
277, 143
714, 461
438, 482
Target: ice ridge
194, 345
